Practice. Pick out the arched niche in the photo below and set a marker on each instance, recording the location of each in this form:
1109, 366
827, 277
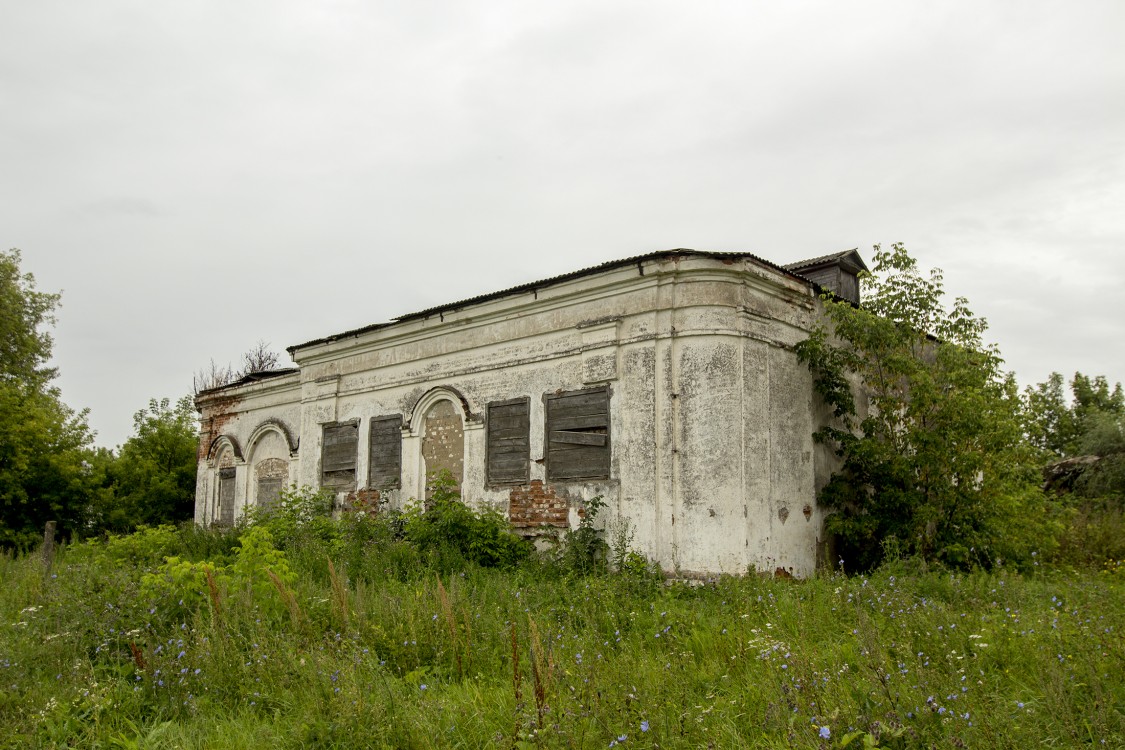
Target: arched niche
269, 450
439, 418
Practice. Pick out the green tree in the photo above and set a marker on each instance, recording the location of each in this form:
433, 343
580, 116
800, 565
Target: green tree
1063, 427
1100, 415
25, 312
926, 424
1089, 427
151, 480
1050, 423
44, 445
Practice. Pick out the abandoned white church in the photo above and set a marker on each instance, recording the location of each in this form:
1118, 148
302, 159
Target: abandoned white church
665, 383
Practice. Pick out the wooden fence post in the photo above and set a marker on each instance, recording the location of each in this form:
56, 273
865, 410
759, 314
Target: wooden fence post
48, 544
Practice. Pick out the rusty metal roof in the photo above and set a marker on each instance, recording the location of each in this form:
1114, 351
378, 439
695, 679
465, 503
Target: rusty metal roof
250, 377
542, 283
858, 260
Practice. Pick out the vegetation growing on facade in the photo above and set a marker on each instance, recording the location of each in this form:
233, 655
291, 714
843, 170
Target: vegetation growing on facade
929, 428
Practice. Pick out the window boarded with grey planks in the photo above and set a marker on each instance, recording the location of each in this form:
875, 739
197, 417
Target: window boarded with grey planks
271, 475
226, 497
578, 435
269, 492
509, 441
338, 455
384, 466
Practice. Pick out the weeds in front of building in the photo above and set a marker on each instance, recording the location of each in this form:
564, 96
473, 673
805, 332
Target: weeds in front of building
441, 629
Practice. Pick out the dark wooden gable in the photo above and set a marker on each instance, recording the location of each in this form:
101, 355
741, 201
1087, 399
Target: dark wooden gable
509, 441
578, 434
838, 273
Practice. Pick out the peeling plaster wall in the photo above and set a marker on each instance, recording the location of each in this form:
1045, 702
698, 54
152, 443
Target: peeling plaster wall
713, 466
248, 424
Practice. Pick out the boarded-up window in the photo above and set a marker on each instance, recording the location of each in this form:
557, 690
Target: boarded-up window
509, 441
578, 435
338, 456
226, 497
269, 491
384, 466
271, 475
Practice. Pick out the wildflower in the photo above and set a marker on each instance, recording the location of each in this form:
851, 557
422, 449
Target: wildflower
423, 686
644, 726
825, 733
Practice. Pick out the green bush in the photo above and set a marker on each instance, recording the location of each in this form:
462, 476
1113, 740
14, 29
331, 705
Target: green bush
260, 576
914, 655
584, 550
300, 515
451, 534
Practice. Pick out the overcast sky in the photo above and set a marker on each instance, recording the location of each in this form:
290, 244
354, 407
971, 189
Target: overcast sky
196, 176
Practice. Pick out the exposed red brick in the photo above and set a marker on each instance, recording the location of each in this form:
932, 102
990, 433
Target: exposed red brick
215, 414
363, 501
534, 508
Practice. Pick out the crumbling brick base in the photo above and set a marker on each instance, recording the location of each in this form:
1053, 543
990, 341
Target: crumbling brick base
363, 501
535, 509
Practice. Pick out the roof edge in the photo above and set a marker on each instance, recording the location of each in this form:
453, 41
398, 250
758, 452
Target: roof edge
548, 282
248, 379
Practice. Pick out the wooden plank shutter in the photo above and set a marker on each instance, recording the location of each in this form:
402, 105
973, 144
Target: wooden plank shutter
578, 435
509, 441
269, 490
338, 455
384, 465
226, 497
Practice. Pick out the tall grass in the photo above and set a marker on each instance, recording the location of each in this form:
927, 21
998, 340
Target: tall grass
349, 637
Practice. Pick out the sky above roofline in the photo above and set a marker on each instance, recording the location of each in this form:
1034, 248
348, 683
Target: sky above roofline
198, 177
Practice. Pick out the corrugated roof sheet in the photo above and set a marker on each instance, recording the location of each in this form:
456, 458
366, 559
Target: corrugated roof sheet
542, 283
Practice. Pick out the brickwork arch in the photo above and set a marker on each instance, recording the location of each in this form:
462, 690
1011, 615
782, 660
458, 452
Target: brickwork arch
275, 426
431, 397
219, 444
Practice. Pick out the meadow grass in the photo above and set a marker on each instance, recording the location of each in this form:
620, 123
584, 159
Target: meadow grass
347, 645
